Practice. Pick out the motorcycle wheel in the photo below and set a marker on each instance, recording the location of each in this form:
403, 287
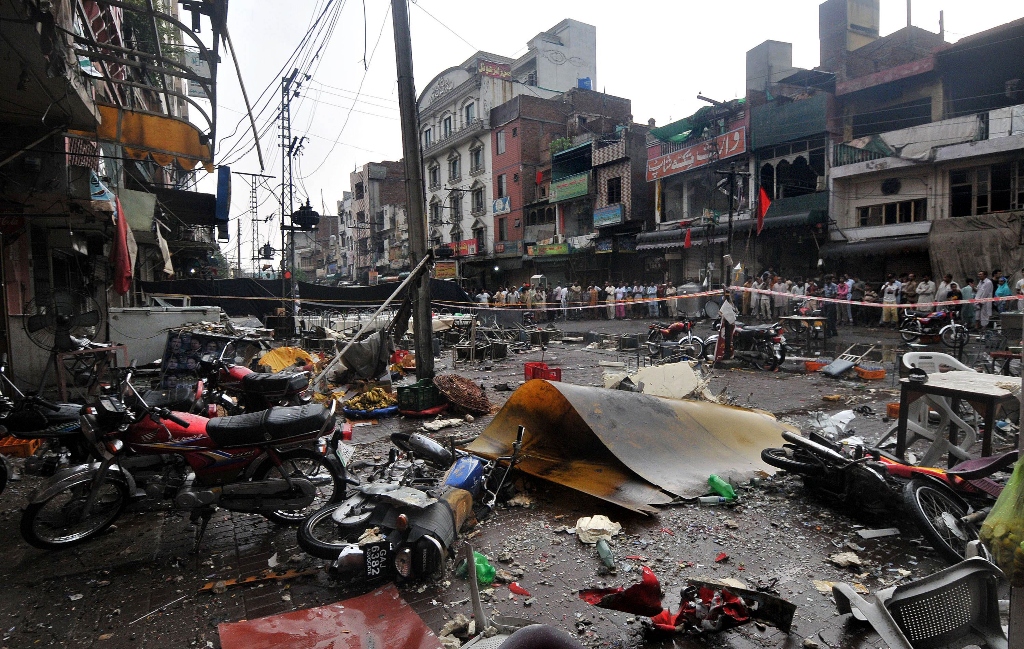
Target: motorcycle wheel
954, 335
910, 331
304, 463
56, 522
320, 536
692, 347
937, 514
794, 460
766, 358
654, 342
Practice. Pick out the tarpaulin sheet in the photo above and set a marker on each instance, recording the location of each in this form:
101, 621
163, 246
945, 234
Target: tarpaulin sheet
376, 620
962, 246
630, 449
260, 297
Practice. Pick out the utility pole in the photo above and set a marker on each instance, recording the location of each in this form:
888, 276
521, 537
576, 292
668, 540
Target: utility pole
415, 196
731, 173
253, 205
287, 188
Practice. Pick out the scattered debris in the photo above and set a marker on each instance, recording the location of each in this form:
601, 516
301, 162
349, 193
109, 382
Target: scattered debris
846, 559
877, 534
590, 529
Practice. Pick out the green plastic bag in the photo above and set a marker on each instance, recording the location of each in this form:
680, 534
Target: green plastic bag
484, 570
1003, 529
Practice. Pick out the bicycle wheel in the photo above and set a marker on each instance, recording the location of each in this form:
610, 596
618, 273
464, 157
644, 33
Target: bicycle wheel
794, 460
938, 515
304, 463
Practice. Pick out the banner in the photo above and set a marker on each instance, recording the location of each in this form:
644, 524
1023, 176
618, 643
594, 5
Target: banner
492, 69
610, 215
570, 187
698, 155
445, 269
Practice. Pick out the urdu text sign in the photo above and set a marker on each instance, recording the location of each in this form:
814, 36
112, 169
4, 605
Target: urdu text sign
698, 155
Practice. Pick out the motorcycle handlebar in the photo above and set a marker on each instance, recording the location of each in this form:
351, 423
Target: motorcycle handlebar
176, 419
49, 405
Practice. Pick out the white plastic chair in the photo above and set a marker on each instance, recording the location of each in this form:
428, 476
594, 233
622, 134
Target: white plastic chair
918, 426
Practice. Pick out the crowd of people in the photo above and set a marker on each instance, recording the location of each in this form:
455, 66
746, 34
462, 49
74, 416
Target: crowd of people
784, 297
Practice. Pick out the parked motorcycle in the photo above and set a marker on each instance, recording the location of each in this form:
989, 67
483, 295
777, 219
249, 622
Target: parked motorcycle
682, 332
808, 308
419, 526
763, 346
947, 506
914, 324
238, 389
247, 463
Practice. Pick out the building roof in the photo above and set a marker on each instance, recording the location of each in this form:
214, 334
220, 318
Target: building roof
1000, 32
680, 129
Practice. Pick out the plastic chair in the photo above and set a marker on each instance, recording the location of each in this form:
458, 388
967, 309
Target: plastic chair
960, 602
918, 425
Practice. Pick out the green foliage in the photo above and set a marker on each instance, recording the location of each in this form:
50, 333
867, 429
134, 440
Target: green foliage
561, 144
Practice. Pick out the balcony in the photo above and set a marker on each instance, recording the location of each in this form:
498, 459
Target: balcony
476, 171
456, 137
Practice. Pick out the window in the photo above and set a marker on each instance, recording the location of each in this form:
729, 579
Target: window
435, 212
614, 190
359, 191
481, 241
454, 169
478, 200
502, 232
893, 213
434, 173
501, 142
515, 131
446, 126
456, 206
992, 188
476, 160
428, 138
502, 186
361, 217
470, 113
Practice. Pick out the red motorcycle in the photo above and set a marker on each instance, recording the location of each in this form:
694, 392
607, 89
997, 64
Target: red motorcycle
681, 332
247, 463
238, 389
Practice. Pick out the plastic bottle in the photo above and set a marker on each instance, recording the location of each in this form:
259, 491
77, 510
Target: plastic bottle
712, 500
721, 487
605, 552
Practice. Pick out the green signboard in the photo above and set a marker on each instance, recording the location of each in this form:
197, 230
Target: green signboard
570, 187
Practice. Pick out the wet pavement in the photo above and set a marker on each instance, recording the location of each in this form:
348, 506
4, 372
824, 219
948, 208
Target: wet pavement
139, 584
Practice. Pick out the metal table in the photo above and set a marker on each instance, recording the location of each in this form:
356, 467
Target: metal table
984, 392
803, 326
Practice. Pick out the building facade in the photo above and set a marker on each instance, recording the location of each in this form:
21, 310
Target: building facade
376, 223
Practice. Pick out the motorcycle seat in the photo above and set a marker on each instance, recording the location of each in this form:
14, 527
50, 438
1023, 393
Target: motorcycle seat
181, 398
758, 327
36, 422
273, 425
280, 383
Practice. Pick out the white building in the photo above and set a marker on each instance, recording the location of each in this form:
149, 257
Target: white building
454, 111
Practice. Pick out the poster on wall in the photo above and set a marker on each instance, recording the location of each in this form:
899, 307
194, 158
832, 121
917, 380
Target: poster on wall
445, 269
182, 353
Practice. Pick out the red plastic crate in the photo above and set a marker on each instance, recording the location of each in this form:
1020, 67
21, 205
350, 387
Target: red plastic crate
532, 369
552, 374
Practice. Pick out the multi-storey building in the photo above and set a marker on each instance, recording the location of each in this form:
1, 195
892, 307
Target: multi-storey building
377, 224
455, 126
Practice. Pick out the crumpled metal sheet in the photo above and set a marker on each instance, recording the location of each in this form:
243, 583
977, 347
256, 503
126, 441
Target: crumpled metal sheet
380, 618
630, 449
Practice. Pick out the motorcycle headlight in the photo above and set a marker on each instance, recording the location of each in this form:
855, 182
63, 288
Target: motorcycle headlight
403, 561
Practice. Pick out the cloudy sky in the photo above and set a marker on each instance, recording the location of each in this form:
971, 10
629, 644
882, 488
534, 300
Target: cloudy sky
658, 53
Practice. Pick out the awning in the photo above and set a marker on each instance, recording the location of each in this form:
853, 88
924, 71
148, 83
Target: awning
163, 138
880, 246
191, 208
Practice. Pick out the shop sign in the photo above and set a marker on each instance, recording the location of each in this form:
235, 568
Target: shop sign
627, 244
570, 187
200, 67
698, 155
492, 69
464, 248
446, 269
501, 205
604, 246
610, 215
547, 249
11, 223
508, 247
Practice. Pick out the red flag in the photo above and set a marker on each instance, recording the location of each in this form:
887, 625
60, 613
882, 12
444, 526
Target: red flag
686, 241
540, 177
119, 257
763, 203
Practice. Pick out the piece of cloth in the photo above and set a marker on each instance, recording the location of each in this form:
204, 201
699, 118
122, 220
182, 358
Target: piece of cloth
643, 598
120, 256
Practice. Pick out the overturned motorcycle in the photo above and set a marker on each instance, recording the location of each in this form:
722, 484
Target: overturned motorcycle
419, 517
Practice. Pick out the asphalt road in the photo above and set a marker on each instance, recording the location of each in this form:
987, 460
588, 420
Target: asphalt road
139, 584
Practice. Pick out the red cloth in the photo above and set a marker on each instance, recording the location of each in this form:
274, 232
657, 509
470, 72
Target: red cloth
639, 599
763, 203
119, 257
686, 241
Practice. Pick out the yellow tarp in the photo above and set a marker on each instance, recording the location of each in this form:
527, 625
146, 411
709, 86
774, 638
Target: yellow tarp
165, 139
285, 357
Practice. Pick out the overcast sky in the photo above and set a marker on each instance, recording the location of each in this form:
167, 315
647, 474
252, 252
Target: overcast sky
659, 54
